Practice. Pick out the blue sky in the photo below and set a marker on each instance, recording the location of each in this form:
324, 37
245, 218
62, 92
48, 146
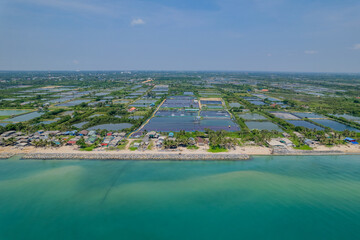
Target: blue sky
243, 35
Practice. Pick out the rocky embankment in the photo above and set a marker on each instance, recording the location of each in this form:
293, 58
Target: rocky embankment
305, 152
136, 156
6, 155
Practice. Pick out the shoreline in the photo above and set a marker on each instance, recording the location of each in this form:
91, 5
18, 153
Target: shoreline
240, 153
175, 156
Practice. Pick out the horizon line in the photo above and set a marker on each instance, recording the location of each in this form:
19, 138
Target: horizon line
234, 71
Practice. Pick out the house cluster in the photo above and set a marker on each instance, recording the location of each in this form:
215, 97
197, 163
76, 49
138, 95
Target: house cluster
113, 139
57, 138
160, 139
20, 139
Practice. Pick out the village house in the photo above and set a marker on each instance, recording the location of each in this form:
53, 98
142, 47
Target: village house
132, 109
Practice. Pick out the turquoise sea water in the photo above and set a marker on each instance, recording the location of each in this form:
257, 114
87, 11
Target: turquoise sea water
308, 197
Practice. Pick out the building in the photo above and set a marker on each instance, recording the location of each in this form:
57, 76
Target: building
71, 142
8, 133
200, 141
83, 133
91, 139
152, 134
132, 109
92, 132
280, 142
350, 140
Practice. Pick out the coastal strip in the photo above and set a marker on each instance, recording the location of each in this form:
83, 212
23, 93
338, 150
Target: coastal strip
151, 156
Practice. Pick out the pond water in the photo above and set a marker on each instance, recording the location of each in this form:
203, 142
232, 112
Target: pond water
235, 104
122, 101
145, 101
215, 114
168, 124
252, 116
175, 113
136, 94
263, 126
348, 117
79, 125
210, 94
73, 103
335, 125
213, 106
101, 94
284, 115
111, 126
180, 103
46, 122
306, 124
308, 115
60, 100
136, 117
96, 115
273, 99
258, 103
67, 113
12, 112
8, 99
25, 117
210, 102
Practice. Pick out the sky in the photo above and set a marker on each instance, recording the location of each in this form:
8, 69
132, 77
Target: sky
211, 35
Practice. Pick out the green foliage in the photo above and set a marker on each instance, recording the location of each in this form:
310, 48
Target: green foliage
122, 145
303, 147
81, 143
192, 147
217, 149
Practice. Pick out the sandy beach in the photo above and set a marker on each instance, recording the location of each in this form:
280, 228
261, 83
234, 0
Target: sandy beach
202, 153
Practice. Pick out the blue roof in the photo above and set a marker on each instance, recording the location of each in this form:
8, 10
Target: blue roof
349, 139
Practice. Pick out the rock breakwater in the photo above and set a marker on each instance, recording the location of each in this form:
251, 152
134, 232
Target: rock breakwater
137, 156
6, 155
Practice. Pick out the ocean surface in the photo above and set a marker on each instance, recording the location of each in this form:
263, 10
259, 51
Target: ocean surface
280, 197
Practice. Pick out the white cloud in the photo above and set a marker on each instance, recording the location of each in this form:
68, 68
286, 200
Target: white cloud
137, 21
76, 62
311, 52
356, 46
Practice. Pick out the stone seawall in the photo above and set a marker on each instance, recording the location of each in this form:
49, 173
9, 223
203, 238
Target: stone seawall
306, 152
120, 156
6, 155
